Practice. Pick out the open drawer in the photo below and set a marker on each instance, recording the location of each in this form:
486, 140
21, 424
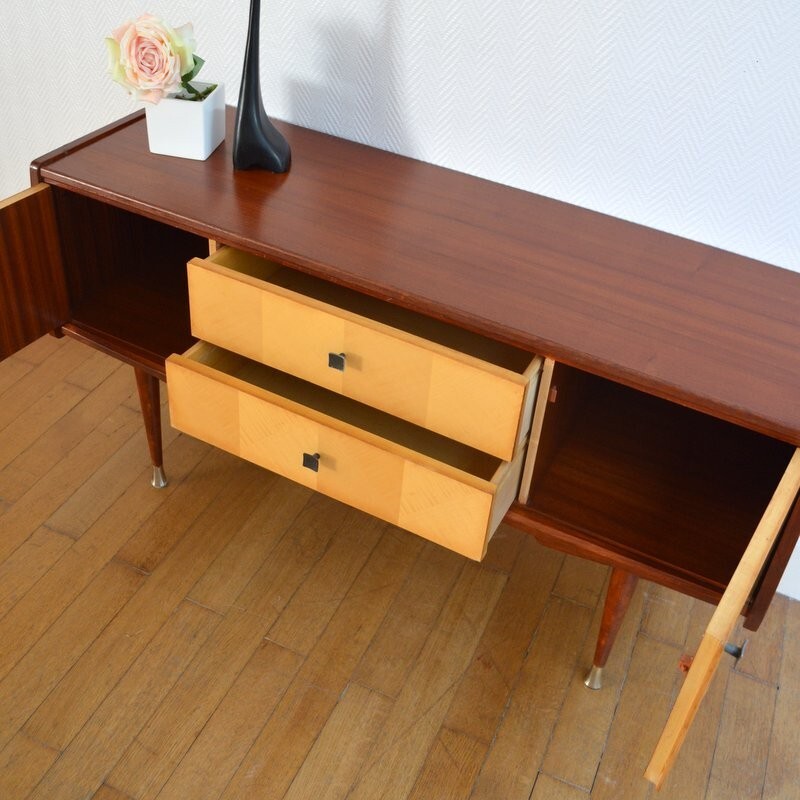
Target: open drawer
440, 489
459, 384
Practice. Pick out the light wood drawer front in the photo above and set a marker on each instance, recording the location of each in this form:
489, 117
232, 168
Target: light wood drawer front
292, 322
213, 397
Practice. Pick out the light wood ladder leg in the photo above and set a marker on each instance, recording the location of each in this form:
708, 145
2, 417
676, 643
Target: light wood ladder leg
150, 401
620, 591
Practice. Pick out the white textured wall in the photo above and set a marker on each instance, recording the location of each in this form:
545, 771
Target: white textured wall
681, 115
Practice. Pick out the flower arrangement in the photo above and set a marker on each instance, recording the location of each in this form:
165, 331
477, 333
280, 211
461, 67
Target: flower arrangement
152, 60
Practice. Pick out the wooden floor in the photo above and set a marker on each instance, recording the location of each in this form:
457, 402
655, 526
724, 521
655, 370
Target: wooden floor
236, 636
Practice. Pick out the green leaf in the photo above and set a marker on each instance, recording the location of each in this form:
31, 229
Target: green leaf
193, 93
198, 63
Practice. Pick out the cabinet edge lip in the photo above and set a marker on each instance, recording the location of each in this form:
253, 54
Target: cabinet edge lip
560, 536
6, 202
44, 160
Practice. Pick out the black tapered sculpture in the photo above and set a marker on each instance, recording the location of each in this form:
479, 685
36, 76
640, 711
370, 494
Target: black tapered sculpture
257, 143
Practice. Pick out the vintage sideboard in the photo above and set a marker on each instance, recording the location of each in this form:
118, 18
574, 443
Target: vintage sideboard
440, 351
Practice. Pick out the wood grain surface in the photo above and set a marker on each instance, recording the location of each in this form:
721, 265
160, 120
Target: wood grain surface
213, 639
688, 322
33, 294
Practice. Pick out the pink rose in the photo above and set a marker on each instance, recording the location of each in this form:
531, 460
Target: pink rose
148, 57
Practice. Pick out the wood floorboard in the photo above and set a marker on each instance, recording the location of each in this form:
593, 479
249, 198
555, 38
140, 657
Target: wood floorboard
50, 491
581, 581
522, 737
451, 767
74, 700
105, 486
32, 559
482, 694
213, 757
12, 370
690, 782
106, 792
40, 380
391, 654
288, 735
67, 432
782, 781
739, 766
32, 680
33, 422
343, 744
238, 636
579, 735
86, 760
22, 763
548, 788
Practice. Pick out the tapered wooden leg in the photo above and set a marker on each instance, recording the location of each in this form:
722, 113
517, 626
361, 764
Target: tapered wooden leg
618, 598
149, 399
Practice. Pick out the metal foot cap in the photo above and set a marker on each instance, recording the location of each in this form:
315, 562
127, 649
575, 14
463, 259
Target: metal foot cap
159, 478
594, 680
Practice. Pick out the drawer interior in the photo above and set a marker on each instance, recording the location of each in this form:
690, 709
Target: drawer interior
425, 327
652, 479
405, 434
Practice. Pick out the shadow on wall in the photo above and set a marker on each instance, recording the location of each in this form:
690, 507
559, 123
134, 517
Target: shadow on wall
358, 95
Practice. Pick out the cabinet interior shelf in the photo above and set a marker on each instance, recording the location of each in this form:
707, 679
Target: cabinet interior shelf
128, 291
643, 478
133, 318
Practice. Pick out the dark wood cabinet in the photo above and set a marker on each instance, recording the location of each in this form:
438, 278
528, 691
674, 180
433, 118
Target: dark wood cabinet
33, 299
669, 407
126, 280
673, 493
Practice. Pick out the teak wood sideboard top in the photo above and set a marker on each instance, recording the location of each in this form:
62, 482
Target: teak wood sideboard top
693, 324
669, 404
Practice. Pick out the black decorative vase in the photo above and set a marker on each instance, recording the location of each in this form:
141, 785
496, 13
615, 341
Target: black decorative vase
257, 143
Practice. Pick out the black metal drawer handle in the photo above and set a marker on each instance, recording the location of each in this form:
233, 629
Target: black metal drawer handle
337, 361
311, 461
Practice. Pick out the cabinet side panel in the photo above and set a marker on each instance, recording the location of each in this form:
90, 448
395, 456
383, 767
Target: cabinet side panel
564, 397
33, 296
773, 572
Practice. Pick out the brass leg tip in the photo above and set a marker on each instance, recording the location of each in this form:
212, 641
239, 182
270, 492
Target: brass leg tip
159, 478
594, 680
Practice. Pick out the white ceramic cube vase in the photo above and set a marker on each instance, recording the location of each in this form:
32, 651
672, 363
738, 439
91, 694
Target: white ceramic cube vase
187, 128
